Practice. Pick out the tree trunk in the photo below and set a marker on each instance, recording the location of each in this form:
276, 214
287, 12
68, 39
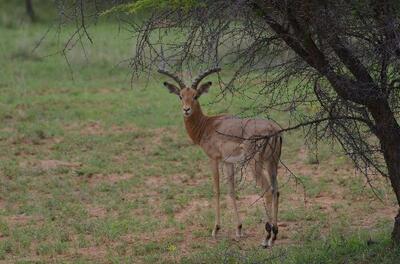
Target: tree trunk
392, 155
29, 10
388, 132
396, 229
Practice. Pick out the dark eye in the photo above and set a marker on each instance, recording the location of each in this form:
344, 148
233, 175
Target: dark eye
180, 97
195, 98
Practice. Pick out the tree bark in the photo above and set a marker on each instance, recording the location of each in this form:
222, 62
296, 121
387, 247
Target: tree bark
394, 175
388, 133
29, 10
396, 229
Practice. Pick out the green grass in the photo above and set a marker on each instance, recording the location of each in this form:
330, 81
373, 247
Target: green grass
95, 168
358, 248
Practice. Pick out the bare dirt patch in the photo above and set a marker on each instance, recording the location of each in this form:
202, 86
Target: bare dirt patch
303, 152
2, 203
94, 179
379, 214
98, 212
54, 164
191, 210
97, 128
93, 128
198, 179
325, 201
250, 200
123, 129
94, 252
155, 181
160, 133
22, 219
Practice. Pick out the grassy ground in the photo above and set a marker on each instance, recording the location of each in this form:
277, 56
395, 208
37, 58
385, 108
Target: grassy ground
95, 168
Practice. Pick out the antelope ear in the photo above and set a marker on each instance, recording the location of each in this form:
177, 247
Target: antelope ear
203, 88
172, 88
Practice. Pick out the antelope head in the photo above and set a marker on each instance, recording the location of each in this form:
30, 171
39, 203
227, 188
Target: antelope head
189, 95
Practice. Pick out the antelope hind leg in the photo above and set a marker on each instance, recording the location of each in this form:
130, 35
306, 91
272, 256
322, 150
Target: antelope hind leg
273, 201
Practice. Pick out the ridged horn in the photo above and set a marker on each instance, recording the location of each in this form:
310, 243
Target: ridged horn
174, 77
203, 75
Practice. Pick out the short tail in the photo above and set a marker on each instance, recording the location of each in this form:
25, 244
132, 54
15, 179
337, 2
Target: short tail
273, 148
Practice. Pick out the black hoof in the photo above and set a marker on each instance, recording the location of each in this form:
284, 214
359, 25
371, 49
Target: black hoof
274, 232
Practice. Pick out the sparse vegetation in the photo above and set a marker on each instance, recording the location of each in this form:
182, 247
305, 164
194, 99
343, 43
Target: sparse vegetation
94, 168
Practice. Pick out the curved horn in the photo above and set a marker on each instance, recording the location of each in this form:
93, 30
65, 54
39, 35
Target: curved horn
174, 77
203, 75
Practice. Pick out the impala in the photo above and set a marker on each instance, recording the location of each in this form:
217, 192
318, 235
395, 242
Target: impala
228, 140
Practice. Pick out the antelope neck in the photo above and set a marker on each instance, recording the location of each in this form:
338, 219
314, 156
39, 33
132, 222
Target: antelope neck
197, 124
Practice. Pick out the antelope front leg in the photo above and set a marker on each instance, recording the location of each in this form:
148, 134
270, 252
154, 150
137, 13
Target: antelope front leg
229, 170
217, 225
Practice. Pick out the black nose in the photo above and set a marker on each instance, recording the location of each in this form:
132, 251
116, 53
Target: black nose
186, 109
